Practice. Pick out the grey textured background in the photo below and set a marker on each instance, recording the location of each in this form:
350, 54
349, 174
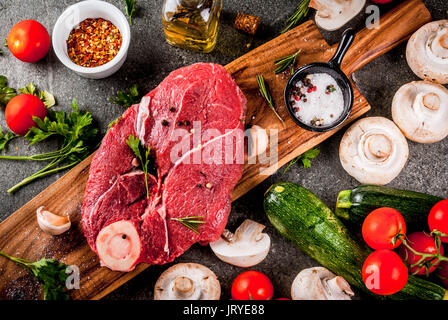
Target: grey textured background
150, 59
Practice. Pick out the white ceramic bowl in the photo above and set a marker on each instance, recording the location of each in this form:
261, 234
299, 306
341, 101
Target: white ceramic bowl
71, 18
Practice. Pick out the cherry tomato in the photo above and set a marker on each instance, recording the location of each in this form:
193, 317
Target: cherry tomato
20, 111
252, 285
420, 242
384, 273
442, 273
381, 226
438, 218
29, 41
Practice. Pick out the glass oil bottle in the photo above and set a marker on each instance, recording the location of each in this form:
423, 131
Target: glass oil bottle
192, 24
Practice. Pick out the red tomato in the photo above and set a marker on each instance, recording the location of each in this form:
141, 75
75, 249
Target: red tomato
438, 218
381, 227
384, 273
29, 41
252, 285
442, 273
420, 242
20, 111
381, 1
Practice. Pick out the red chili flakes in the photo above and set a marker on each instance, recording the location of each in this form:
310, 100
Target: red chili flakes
94, 43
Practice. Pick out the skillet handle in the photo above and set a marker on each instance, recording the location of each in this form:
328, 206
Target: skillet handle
347, 39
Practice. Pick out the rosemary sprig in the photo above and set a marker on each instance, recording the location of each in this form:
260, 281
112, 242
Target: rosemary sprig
266, 94
300, 13
285, 62
192, 223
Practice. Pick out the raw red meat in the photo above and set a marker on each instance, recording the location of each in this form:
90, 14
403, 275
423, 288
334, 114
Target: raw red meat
200, 104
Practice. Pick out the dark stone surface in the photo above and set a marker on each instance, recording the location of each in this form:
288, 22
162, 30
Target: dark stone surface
150, 59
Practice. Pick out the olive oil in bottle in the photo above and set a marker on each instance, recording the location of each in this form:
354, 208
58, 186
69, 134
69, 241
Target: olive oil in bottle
192, 24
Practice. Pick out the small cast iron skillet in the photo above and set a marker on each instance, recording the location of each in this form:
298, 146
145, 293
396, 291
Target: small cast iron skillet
333, 68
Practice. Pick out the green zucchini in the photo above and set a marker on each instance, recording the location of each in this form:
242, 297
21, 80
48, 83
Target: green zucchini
304, 219
354, 205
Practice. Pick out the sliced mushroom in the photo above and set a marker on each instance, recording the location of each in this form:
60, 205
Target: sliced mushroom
246, 248
427, 52
320, 284
258, 141
373, 151
333, 14
119, 246
420, 110
52, 223
187, 281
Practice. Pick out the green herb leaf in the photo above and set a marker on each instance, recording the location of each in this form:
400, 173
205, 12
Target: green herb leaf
46, 97
285, 62
5, 138
266, 94
50, 273
127, 99
130, 9
300, 13
305, 158
110, 125
6, 93
192, 223
5, 43
143, 154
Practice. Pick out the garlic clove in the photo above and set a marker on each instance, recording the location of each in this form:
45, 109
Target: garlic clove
52, 223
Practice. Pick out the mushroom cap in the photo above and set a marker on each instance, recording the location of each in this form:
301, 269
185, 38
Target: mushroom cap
373, 151
427, 52
246, 248
420, 110
333, 14
52, 223
119, 246
319, 283
187, 281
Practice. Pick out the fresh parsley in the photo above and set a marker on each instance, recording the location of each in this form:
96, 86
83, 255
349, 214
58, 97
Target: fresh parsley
79, 138
143, 155
6, 93
5, 138
127, 99
130, 9
50, 273
305, 157
46, 97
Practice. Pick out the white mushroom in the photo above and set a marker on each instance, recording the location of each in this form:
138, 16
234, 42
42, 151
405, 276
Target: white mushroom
427, 52
320, 284
246, 248
258, 141
333, 14
373, 151
420, 110
52, 223
119, 246
187, 281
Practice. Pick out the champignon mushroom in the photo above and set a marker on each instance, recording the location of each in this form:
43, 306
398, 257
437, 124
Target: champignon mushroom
246, 248
427, 52
373, 151
119, 246
420, 110
187, 281
333, 14
258, 141
320, 284
52, 223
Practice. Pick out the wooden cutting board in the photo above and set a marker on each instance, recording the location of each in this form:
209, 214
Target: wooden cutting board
21, 236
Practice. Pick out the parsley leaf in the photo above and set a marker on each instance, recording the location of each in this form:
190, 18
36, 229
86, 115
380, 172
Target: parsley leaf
127, 99
130, 9
6, 93
305, 157
142, 154
5, 138
46, 97
50, 273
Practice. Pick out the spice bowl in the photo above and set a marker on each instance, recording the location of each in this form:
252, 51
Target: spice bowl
333, 69
71, 18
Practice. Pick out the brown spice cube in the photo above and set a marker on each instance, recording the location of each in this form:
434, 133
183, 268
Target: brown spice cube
247, 23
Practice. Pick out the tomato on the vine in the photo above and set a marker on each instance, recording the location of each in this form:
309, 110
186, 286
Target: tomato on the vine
423, 243
384, 272
29, 41
438, 218
252, 285
20, 111
381, 228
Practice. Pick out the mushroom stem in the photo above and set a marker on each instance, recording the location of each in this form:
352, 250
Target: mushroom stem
378, 147
183, 287
431, 101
